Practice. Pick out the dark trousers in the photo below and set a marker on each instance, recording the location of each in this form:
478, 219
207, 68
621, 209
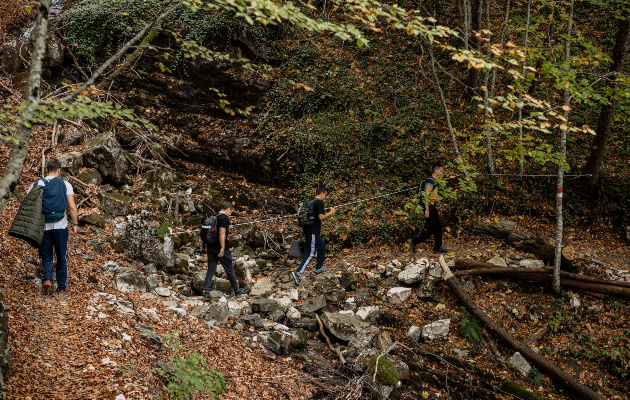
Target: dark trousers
56, 239
433, 227
314, 244
226, 261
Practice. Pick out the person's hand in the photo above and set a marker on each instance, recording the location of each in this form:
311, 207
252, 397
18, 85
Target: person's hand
426, 213
221, 253
74, 229
332, 210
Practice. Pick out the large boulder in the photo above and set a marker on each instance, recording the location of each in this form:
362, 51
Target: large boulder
131, 281
72, 161
105, 154
243, 274
72, 136
263, 305
115, 204
343, 326
218, 312
90, 177
159, 178
199, 280
151, 249
286, 342
54, 51
312, 305
12, 52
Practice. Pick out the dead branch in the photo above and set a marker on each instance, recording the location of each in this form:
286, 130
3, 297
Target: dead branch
84, 200
73, 123
536, 335
44, 150
556, 373
53, 139
330, 346
154, 162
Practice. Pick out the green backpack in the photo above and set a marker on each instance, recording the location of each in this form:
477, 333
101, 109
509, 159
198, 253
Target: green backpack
29, 221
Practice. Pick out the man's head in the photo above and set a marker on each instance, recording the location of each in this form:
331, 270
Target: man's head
53, 167
227, 209
436, 170
321, 192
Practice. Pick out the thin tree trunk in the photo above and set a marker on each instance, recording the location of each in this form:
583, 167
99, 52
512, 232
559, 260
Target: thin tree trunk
476, 17
604, 123
563, 152
15, 164
486, 102
458, 155
521, 168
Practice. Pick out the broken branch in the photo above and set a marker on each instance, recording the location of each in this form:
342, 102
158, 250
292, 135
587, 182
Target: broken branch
330, 346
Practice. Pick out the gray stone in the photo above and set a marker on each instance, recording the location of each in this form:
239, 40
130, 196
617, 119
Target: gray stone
414, 333
284, 304
519, 362
398, 295
147, 334
262, 286
217, 312
179, 312
246, 308
575, 303
498, 261
343, 326
293, 314
131, 281
362, 297
153, 281
72, 161
277, 316
181, 264
243, 273
157, 250
508, 224
200, 311
12, 52
412, 274
162, 291
312, 305
234, 309
253, 320
464, 353
435, 271
109, 267
334, 295
90, 177
72, 137
286, 342
115, 204
105, 154
199, 280
426, 290
368, 314
531, 264
149, 269
308, 324
436, 330
263, 305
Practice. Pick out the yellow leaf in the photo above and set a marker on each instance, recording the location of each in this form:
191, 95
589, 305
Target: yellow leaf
343, 236
425, 394
566, 108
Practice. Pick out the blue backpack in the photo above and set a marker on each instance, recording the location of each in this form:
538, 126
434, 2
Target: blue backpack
54, 199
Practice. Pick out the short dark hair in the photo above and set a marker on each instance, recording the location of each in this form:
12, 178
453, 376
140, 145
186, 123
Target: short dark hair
320, 190
227, 206
435, 167
52, 165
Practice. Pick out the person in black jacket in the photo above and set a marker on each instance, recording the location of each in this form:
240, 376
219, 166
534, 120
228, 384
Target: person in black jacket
220, 252
433, 225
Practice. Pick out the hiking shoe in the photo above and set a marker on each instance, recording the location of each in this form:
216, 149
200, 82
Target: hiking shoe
296, 277
243, 290
321, 271
440, 250
412, 246
47, 284
207, 298
63, 292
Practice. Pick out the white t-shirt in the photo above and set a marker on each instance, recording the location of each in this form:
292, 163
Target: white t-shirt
62, 223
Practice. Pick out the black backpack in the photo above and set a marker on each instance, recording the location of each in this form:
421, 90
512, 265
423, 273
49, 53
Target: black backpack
422, 185
209, 230
306, 216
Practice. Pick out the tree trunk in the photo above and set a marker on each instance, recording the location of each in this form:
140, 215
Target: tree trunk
563, 152
15, 164
604, 123
521, 168
475, 26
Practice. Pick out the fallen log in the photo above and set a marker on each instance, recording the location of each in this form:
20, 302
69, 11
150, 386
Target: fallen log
541, 362
479, 265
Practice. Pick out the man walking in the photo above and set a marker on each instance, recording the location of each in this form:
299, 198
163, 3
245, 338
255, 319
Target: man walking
434, 225
314, 241
57, 198
220, 252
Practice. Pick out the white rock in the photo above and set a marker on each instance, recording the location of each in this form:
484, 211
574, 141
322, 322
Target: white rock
179, 312
350, 300
398, 295
102, 316
126, 337
368, 314
292, 294
151, 313
280, 327
234, 310
438, 329
107, 361
191, 303
531, 264
372, 275
350, 312
396, 263
162, 291
414, 333
121, 397
412, 274
246, 308
575, 303
293, 314
519, 362
498, 261
435, 271
381, 269
223, 300
284, 304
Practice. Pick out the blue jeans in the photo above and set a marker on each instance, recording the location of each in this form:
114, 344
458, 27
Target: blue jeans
57, 239
314, 243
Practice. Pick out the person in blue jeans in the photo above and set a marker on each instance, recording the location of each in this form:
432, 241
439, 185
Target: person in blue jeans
314, 241
56, 230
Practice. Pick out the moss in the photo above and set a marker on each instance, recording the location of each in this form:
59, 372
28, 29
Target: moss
180, 176
94, 219
187, 238
177, 242
387, 373
116, 243
130, 156
118, 196
163, 228
520, 391
90, 177
47, 75
18, 195
99, 140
